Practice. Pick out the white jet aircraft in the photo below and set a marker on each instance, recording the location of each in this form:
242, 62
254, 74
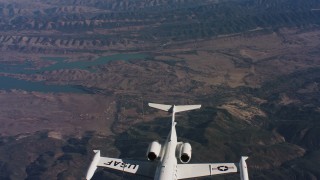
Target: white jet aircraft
162, 164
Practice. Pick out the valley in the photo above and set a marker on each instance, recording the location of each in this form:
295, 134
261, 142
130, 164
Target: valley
77, 76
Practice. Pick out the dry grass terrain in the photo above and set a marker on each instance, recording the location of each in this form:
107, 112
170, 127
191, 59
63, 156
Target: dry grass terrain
60, 114
253, 65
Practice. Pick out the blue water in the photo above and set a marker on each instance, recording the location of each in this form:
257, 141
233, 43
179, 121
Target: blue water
28, 68
62, 63
7, 83
25, 68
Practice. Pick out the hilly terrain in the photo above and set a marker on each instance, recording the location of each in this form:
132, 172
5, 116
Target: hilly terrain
77, 76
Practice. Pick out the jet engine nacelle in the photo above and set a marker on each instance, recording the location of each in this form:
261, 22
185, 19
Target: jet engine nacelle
153, 150
185, 153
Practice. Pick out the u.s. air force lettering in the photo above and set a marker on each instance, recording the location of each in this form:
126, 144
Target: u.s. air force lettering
163, 157
121, 164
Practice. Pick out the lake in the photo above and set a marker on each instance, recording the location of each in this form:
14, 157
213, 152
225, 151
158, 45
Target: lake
8, 83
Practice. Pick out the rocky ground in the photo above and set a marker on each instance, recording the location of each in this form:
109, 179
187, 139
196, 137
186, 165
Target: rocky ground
257, 79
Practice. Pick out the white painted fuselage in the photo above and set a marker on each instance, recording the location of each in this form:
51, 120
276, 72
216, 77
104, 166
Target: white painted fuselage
167, 168
166, 156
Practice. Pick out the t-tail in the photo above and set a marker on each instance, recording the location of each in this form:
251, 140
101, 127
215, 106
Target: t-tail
167, 154
174, 108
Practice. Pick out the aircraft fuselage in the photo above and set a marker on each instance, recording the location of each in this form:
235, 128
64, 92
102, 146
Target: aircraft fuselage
166, 157
167, 168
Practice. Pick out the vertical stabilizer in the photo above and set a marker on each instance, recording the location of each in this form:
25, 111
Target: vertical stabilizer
174, 109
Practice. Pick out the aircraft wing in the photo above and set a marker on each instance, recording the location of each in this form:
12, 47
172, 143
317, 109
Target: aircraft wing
185, 171
130, 166
143, 168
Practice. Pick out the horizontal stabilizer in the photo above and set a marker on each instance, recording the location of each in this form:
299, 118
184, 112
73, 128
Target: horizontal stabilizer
186, 108
169, 108
163, 107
